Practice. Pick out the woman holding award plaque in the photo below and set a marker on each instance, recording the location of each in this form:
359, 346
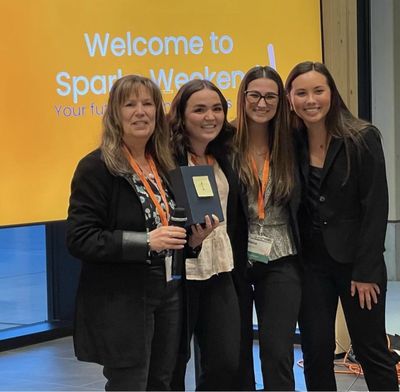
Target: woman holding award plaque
270, 274
201, 136
128, 312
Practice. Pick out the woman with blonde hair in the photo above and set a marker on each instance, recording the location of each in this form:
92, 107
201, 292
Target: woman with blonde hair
128, 313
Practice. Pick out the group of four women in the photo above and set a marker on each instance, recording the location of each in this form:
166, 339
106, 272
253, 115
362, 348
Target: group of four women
303, 191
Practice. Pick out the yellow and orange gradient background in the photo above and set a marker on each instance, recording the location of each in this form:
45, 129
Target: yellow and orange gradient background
40, 38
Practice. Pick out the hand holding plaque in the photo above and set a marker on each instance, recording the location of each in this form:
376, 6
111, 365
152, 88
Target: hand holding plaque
201, 232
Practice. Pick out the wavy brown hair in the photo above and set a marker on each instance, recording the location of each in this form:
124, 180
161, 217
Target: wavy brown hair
176, 120
280, 139
158, 146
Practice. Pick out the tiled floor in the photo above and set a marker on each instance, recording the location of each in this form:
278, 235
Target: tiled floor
51, 366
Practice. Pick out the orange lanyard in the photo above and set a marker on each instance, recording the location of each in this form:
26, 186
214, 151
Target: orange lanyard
209, 158
263, 187
163, 214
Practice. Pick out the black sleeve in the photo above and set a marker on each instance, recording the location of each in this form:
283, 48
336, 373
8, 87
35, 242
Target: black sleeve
373, 192
89, 235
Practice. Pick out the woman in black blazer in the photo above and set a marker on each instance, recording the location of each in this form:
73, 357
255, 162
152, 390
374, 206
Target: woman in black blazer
342, 219
201, 136
128, 315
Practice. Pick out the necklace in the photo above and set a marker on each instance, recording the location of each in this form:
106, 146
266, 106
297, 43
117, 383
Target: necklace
145, 168
324, 146
146, 171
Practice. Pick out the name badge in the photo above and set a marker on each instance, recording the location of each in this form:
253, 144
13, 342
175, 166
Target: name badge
259, 248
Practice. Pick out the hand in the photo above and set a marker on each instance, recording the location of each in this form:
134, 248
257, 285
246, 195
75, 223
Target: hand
167, 237
199, 234
367, 293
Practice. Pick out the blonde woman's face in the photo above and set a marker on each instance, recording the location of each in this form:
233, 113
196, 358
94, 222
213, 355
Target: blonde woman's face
138, 114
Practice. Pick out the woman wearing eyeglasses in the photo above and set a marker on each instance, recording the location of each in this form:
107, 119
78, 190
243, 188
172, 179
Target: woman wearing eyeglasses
269, 274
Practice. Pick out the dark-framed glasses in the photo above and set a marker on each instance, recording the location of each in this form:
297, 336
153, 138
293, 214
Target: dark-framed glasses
254, 97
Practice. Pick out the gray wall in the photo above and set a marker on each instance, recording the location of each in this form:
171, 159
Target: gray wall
385, 63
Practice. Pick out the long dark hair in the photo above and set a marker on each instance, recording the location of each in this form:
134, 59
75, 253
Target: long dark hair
176, 119
280, 139
339, 122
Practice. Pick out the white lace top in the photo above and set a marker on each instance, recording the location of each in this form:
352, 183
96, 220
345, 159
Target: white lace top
216, 252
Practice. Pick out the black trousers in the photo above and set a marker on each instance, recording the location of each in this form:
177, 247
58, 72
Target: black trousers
213, 317
276, 290
246, 377
163, 326
325, 281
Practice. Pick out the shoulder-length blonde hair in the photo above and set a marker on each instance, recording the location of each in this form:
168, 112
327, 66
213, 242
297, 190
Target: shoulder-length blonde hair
111, 144
280, 139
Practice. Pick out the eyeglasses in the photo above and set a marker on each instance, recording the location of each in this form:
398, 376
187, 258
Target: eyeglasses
254, 97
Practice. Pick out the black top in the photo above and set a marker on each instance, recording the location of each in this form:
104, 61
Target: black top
111, 299
353, 204
313, 195
152, 219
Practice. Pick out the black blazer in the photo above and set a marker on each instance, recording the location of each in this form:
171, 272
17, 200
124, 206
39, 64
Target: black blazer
353, 212
106, 231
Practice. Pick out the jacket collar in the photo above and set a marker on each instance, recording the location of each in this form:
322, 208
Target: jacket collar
304, 155
333, 149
